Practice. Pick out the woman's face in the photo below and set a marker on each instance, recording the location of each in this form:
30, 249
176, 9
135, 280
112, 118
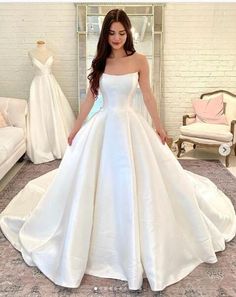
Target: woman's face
117, 35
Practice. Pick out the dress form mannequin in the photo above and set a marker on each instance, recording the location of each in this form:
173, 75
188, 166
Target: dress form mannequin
41, 52
50, 117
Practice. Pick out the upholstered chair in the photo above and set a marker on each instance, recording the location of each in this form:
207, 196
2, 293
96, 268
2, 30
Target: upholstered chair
211, 134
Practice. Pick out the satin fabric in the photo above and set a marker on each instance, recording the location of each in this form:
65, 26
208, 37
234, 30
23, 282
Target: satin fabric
50, 117
120, 205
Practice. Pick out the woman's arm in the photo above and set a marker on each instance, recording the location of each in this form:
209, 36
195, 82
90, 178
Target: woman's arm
149, 99
85, 108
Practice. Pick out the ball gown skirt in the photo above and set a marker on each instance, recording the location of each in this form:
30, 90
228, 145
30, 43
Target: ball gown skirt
50, 118
120, 205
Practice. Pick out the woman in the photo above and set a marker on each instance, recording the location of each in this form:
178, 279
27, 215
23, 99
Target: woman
120, 205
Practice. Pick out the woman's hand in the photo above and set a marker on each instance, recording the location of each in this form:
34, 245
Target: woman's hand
162, 134
71, 137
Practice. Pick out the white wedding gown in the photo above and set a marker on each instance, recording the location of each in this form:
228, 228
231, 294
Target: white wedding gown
50, 118
120, 205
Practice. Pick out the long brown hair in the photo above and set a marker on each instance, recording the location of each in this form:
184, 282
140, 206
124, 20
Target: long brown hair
104, 48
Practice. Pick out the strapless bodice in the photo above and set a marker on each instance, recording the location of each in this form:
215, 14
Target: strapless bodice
118, 90
42, 69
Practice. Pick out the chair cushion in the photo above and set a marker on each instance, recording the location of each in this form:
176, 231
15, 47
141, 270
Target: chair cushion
210, 111
209, 131
203, 140
10, 137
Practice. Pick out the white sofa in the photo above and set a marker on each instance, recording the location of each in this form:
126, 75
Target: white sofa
13, 137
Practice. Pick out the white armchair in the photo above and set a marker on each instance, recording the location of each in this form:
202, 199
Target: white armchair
206, 134
13, 137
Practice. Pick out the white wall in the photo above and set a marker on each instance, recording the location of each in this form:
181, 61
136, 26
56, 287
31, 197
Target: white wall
21, 25
199, 55
199, 51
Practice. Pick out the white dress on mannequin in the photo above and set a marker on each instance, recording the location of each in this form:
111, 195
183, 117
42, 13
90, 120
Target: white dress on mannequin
50, 118
120, 205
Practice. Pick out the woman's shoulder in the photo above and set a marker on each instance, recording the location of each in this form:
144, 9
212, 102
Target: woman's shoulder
139, 57
140, 60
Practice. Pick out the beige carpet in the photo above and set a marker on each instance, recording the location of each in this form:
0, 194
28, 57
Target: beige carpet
208, 280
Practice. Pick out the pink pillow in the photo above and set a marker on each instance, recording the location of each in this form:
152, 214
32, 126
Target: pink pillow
210, 111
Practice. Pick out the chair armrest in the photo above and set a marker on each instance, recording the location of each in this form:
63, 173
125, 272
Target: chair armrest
188, 116
233, 130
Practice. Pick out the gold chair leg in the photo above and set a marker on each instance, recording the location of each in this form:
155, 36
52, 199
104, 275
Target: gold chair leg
179, 144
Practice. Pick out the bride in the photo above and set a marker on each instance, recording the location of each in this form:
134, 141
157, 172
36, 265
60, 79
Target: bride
120, 205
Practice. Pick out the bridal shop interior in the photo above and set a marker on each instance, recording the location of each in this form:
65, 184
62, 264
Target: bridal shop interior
46, 51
